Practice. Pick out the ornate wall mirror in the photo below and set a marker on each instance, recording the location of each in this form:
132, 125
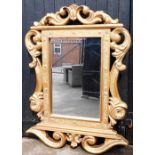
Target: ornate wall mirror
76, 96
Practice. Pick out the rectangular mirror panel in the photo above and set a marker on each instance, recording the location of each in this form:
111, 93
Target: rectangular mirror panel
76, 76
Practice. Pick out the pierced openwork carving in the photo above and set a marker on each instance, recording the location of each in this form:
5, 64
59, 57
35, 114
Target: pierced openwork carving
73, 131
59, 139
34, 46
117, 108
74, 12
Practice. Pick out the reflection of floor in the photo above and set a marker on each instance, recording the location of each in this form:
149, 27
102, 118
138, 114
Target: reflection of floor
68, 101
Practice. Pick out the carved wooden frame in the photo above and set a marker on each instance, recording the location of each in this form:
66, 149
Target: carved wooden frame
78, 130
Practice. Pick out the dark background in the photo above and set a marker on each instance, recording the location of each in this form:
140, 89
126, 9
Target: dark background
33, 10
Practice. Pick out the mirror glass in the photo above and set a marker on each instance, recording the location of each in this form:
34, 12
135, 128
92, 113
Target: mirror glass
76, 76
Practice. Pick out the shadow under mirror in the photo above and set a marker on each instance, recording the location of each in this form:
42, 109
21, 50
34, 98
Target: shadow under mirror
76, 76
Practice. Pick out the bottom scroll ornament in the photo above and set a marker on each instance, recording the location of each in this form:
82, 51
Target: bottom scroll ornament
89, 143
117, 110
75, 139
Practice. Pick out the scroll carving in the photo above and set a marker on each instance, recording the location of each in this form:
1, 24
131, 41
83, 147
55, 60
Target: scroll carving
34, 46
82, 13
88, 142
117, 108
56, 141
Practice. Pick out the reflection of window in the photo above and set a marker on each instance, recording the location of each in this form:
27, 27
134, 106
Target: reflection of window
57, 48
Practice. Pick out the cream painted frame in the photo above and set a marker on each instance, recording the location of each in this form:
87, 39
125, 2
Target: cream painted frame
78, 130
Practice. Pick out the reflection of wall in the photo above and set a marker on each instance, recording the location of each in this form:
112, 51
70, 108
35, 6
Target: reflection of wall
70, 51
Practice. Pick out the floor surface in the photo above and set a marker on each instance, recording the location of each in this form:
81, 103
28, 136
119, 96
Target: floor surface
68, 100
32, 146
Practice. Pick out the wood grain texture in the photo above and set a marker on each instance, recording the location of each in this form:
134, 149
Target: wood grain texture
102, 5
113, 8
68, 2
49, 6
80, 2
39, 9
58, 4
92, 4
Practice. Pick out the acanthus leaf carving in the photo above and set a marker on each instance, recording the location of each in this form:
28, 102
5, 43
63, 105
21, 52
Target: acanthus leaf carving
120, 49
36, 103
75, 139
73, 13
117, 108
34, 46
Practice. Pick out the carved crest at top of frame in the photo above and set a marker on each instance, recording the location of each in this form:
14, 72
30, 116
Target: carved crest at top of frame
73, 12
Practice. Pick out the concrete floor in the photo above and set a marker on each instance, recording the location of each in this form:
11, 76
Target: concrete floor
68, 100
33, 146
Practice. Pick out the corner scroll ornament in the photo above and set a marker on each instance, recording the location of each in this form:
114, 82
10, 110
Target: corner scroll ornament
34, 46
120, 46
73, 12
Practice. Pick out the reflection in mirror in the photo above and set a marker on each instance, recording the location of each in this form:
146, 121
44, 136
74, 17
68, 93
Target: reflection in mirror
76, 76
